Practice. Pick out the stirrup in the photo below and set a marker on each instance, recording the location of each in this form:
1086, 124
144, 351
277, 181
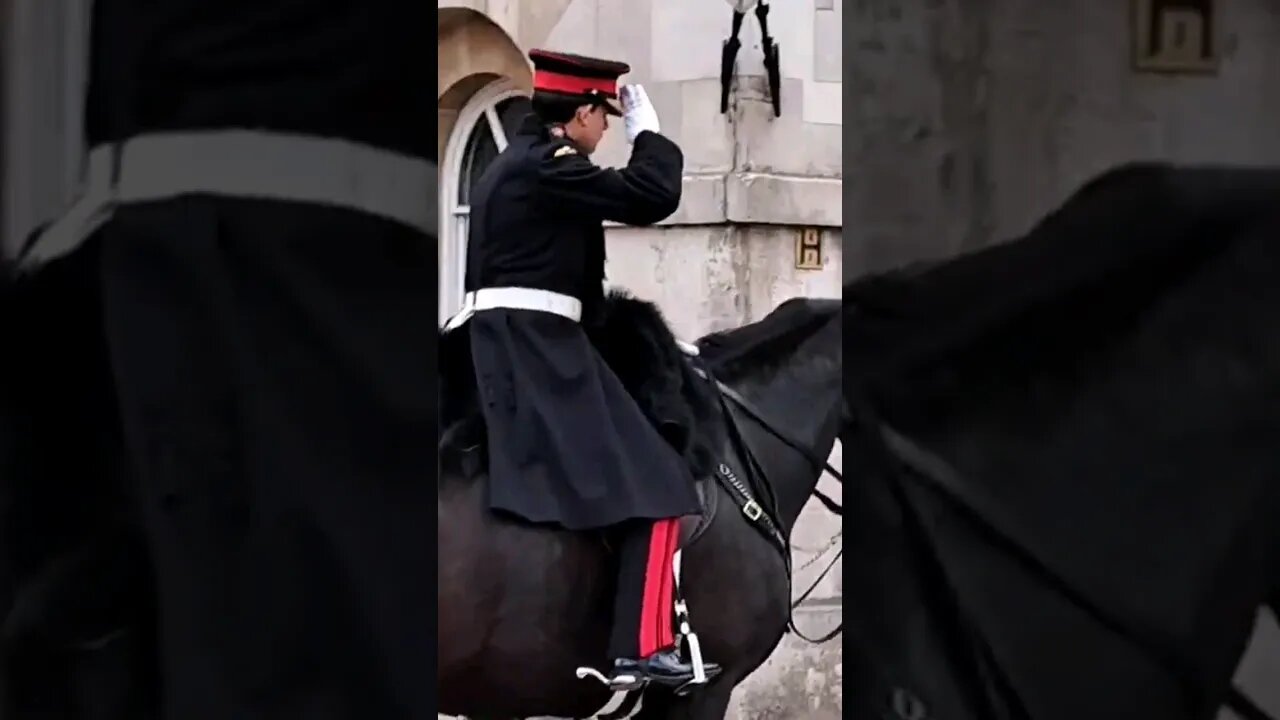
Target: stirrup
685, 689
622, 683
686, 632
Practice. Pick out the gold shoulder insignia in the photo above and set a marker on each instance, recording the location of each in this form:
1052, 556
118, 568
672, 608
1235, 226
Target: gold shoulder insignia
564, 150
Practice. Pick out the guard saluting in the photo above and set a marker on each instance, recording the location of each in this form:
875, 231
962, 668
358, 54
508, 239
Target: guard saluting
260, 204
567, 444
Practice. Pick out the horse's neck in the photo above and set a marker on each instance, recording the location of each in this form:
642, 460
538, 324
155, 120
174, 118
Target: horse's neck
800, 398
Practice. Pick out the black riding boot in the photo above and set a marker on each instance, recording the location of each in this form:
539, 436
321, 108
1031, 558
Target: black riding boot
642, 646
663, 668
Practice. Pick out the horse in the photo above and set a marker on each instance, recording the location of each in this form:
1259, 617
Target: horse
1064, 452
524, 606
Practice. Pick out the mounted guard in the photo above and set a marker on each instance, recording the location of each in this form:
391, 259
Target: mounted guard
568, 446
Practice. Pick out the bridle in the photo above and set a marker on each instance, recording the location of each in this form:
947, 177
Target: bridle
787, 438
763, 513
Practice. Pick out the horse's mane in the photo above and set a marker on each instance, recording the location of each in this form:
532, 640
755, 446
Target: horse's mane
636, 342
759, 345
1080, 277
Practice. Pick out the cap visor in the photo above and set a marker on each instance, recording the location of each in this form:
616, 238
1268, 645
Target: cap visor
611, 109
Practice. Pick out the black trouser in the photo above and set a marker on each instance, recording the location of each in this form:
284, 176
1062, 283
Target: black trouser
644, 605
276, 371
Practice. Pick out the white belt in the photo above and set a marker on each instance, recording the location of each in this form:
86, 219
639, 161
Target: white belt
518, 298
243, 163
515, 298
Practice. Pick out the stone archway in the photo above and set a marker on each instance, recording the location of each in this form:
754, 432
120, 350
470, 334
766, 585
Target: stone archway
481, 71
474, 51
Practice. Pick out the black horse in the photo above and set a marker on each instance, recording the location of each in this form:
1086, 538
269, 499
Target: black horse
520, 607
1064, 452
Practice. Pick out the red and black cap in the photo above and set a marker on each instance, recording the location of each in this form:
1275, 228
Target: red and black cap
590, 79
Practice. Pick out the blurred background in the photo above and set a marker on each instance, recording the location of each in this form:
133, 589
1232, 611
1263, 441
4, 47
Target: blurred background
971, 119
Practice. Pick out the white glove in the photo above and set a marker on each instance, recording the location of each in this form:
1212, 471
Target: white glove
637, 113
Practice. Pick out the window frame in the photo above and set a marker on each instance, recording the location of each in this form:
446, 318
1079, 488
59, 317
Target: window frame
454, 216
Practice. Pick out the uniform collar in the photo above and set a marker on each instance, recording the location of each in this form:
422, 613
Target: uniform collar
531, 125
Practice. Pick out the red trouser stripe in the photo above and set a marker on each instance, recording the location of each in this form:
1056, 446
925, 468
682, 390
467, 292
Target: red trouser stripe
656, 633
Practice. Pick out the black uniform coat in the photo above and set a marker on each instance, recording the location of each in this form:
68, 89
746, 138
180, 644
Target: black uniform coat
274, 370
568, 445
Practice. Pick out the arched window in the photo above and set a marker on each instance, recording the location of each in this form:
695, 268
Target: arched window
490, 117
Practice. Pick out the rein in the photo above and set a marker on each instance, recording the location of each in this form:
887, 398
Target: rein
787, 438
767, 518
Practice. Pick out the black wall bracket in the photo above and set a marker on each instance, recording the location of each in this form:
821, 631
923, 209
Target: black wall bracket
729, 55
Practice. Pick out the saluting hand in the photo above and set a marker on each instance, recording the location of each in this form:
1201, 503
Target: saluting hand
637, 113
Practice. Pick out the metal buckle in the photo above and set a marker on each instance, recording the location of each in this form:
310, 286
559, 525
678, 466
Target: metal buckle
752, 510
